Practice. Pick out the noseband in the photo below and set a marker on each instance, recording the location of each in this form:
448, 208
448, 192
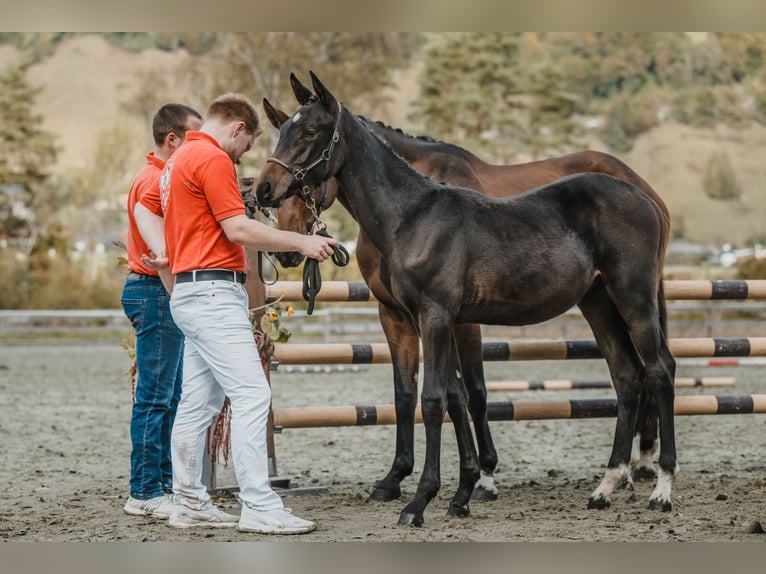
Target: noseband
300, 173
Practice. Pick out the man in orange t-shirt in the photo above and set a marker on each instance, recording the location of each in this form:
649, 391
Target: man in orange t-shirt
206, 232
159, 342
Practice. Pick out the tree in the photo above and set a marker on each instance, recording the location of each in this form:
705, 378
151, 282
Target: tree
356, 66
479, 91
27, 197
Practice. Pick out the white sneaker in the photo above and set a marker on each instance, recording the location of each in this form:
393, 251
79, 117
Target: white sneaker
211, 517
158, 507
276, 521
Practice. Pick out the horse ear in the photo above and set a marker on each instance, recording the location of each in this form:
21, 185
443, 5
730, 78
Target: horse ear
276, 116
323, 93
302, 93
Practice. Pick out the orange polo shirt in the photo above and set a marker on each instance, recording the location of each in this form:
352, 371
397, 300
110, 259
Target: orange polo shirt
198, 189
145, 181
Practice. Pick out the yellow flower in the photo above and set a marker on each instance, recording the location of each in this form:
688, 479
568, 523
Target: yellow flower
273, 315
290, 310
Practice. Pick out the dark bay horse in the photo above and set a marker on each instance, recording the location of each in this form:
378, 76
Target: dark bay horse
454, 256
455, 165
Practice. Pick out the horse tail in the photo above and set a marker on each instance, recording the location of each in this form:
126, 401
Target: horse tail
663, 309
661, 258
661, 251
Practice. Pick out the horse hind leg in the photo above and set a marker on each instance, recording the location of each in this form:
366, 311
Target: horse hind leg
659, 366
661, 385
468, 339
645, 442
626, 370
645, 447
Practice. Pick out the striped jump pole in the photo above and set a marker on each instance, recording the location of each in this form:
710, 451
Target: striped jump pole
312, 417
675, 290
567, 385
374, 353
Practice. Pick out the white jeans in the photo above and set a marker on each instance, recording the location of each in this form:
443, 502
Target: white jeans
220, 359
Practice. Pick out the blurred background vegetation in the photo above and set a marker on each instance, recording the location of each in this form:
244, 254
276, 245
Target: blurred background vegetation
508, 97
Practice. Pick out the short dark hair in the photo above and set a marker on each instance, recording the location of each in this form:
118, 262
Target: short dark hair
231, 106
172, 118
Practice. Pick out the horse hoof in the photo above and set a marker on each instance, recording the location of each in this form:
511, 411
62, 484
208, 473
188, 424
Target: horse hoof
458, 510
410, 519
644, 473
660, 505
482, 494
382, 494
599, 503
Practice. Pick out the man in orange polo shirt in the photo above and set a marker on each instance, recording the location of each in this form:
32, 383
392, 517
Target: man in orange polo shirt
159, 342
206, 231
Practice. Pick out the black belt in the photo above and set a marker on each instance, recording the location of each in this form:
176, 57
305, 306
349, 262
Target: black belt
137, 275
211, 275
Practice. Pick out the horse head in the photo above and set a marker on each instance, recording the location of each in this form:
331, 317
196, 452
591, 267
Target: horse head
304, 156
294, 214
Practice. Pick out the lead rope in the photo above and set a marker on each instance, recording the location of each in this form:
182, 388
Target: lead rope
312, 278
251, 208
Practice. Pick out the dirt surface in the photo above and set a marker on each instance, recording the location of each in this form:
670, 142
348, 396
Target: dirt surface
64, 412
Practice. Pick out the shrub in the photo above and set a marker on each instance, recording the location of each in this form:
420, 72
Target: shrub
720, 179
751, 268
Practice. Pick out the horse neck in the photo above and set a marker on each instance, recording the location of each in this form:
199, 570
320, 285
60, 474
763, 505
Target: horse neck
375, 185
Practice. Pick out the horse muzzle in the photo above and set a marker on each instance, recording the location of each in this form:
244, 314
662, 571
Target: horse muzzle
288, 259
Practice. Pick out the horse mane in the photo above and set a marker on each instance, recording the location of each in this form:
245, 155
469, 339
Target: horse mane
364, 120
401, 132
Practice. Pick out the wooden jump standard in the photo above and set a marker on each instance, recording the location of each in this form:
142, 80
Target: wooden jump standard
305, 417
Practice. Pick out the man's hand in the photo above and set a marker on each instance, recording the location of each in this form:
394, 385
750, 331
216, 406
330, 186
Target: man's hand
156, 262
318, 247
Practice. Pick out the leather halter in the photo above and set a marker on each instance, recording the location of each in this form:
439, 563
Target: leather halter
312, 280
300, 173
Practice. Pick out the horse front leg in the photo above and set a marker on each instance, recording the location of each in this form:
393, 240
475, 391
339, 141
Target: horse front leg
404, 344
438, 348
469, 345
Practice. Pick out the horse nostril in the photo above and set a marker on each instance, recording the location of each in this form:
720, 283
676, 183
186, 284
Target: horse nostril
264, 191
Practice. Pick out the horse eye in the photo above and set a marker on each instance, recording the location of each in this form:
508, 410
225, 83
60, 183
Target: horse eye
310, 133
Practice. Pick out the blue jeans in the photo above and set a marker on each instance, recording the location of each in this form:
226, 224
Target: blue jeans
159, 352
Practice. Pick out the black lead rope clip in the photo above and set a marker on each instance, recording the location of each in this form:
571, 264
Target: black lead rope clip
312, 278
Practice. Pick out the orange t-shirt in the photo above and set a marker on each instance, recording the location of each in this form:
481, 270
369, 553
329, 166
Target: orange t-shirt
198, 189
145, 181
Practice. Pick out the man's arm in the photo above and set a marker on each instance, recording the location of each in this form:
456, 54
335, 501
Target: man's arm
152, 229
254, 234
